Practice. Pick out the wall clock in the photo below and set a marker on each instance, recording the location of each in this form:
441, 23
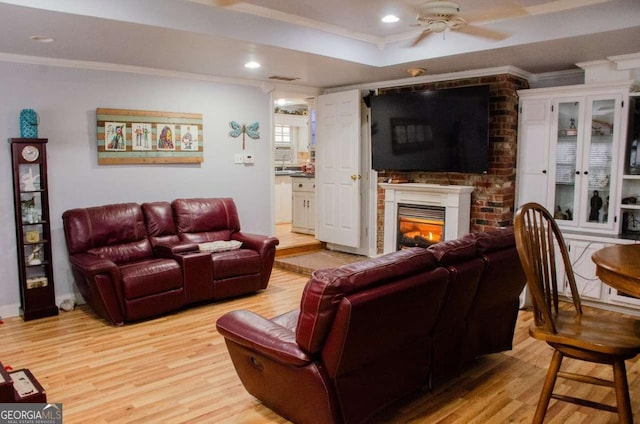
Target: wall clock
30, 153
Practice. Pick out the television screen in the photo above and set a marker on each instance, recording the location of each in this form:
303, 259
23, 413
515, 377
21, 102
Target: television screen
438, 131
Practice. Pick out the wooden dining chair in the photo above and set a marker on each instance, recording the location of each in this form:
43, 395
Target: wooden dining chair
601, 339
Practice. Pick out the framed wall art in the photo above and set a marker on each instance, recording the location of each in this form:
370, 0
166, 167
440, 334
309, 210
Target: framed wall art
141, 136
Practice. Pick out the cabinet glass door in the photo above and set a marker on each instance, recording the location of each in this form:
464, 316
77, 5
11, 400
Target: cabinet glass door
597, 168
567, 152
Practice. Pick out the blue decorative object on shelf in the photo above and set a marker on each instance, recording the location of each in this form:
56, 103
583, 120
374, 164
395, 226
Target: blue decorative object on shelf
29, 123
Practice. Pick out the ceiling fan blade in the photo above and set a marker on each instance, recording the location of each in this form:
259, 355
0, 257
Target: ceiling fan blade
424, 34
482, 32
496, 14
216, 3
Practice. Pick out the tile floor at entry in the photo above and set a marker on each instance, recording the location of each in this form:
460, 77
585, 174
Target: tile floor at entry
303, 254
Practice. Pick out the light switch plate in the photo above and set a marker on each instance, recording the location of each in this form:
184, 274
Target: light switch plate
248, 158
239, 158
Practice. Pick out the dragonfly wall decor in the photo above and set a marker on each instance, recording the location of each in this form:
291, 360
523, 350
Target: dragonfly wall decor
251, 130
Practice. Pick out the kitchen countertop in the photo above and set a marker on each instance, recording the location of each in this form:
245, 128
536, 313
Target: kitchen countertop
293, 171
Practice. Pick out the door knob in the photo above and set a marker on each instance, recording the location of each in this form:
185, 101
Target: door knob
355, 177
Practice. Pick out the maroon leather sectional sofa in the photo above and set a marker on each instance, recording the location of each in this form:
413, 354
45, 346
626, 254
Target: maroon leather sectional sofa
371, 332
133, 261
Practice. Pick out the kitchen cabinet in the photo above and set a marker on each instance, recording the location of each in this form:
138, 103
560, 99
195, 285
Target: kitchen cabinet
283, 199
303, 210
589, 286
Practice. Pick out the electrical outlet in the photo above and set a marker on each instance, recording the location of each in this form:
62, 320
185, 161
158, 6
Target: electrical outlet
239, 158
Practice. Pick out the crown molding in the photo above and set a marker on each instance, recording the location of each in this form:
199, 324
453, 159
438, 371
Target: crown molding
265, 86
475, 73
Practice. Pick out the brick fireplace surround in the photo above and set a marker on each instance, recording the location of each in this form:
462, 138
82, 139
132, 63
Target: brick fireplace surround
493, 197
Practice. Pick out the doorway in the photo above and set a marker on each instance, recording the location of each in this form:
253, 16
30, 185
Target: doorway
293, 164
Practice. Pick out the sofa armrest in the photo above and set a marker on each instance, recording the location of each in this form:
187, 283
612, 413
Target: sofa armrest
92, 265
99, 282
257, 242
169, 250
262, 335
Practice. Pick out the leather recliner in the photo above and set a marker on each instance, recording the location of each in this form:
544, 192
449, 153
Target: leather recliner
114, 265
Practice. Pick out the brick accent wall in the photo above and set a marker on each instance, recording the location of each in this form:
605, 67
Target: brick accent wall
493, 197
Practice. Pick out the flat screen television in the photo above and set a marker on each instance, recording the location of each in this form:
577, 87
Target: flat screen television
435, 131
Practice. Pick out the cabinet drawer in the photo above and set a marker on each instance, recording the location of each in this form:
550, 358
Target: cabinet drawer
305, 185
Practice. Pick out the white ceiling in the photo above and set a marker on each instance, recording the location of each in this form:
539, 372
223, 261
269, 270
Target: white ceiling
325, 43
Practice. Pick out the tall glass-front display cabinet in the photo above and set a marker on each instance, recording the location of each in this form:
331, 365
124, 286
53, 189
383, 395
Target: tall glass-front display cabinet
630, 198
586, 151
33, 232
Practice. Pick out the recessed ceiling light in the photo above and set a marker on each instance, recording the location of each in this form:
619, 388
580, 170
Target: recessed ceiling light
42, 39
252, 65
389, 19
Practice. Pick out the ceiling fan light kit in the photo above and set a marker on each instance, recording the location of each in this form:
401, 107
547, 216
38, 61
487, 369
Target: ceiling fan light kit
416, 72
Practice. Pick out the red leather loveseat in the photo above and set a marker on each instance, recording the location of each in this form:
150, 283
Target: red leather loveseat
134, 261
371, 332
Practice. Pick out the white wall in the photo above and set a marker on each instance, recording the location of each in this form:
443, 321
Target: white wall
66, 101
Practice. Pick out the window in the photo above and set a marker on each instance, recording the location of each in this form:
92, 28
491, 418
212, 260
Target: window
282, 134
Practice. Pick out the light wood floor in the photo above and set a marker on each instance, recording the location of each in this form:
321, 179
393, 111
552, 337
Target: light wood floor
175, 369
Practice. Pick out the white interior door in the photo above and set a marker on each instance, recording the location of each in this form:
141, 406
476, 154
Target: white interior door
338, 173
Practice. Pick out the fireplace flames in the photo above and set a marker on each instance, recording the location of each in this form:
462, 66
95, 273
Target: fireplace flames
414, 232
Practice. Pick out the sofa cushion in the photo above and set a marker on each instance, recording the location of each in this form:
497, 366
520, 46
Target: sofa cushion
124, 252
146, 278
327, 287
233, 263
116, 232
453, 251
160, 224
204, 220
490, 241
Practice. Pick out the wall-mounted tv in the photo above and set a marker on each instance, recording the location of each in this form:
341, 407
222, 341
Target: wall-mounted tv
436, 131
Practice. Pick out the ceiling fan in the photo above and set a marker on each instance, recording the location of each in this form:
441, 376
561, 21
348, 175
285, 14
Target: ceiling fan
441, 16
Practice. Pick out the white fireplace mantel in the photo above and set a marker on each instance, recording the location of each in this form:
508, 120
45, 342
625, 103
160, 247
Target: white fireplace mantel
455, 199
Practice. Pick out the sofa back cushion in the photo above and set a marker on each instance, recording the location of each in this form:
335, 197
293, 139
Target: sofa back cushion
494, 310
204, 220
327, 287
379, 346
161, 226
115, 232
503, 279
465, 267
491, 241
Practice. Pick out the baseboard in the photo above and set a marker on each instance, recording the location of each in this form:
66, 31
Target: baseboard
8, 311
13, 310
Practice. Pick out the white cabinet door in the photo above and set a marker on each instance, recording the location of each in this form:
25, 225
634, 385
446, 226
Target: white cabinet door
283, 199
589, 286
311, 213
299, 212
304, 212
533, 152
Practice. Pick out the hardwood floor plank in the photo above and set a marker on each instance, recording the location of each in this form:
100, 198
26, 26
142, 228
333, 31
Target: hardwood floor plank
176, 369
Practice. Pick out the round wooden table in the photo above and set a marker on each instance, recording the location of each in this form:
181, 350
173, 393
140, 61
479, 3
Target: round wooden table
619, 267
